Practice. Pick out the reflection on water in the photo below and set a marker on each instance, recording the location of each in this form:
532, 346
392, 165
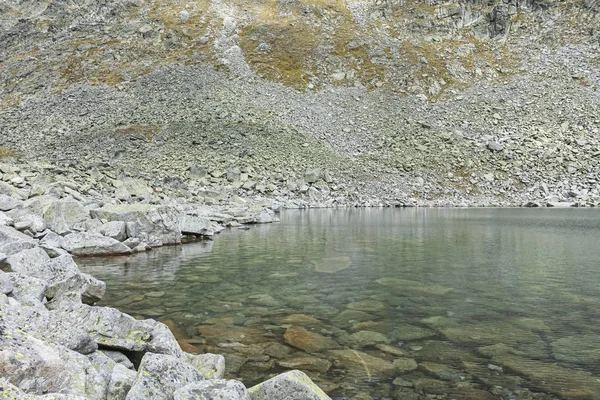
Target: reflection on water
387, 303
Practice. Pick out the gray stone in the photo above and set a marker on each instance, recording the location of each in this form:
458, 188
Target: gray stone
210, 366
159, 376
13, 241
195, 225
28, 262
114, 229
50, 328
218, 389
8, 203
292, 385
38, 368
118, 357
11, 191
27, 288
495, 146
6, 285
152, 223
312, 175
62, 215
115, 330
88, 244
5, 219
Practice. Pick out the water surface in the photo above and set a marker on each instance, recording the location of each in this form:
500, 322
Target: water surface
387, 303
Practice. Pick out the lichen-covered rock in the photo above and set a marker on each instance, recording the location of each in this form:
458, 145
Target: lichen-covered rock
28, 262
211, 366
115, 330
28, 289
218, 389
292, 385
149, 223
160, 375
89, 244
37, 368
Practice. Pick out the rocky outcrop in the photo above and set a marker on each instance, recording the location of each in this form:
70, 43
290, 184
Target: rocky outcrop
56, 343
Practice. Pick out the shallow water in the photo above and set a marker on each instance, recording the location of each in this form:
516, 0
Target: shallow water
387, 303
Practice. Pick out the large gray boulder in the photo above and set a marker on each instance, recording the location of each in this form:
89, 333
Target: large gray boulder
152, 224
292, 385
114, 229
49, 327
29, 262
92, 244
8, 203
28, 289
11, 191
160, 375
217, 389
13, 241
114, 330
38, 368
62, 215
195, 225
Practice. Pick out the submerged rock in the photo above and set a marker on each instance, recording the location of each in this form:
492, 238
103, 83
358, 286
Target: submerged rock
310, 342
292, 385
578, 349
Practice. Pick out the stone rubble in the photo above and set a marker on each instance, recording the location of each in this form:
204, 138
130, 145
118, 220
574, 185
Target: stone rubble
56, 343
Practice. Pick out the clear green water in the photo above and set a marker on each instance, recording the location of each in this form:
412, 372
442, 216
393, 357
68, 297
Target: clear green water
387, 303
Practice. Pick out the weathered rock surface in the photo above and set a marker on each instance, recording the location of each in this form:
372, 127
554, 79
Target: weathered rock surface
159, 376
89, 244
292, 385
151, 224
217, 389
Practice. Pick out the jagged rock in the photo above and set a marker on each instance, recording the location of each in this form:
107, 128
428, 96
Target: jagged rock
90, 244
312, 175
160, 375
5, 219
13, 241
217, 389
62, 215
49, 327
147, 222
195, 225
28, 262
37, 368
8, 203
114, 229
28, 289
11, 191
6, 285
210, 366
112, 329
292, 385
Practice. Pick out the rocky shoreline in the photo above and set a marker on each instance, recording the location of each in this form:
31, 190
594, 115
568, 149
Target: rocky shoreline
56, 344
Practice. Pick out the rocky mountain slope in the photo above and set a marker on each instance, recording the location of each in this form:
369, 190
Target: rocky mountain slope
325, 101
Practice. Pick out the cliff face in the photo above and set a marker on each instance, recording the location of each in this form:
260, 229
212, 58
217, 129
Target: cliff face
449, 102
